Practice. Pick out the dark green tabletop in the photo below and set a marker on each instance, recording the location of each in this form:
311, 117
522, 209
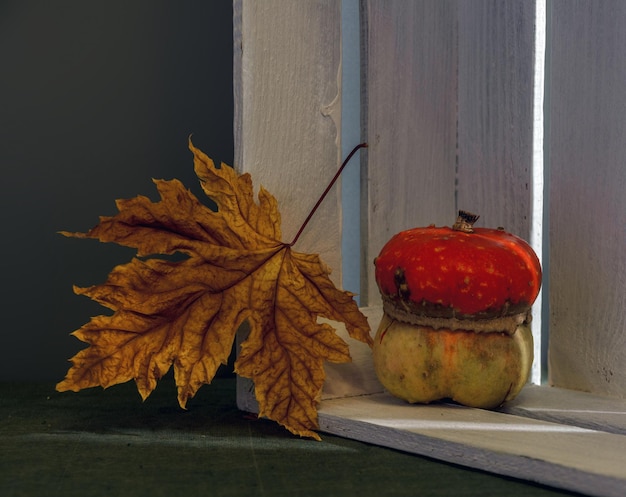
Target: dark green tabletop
110, 443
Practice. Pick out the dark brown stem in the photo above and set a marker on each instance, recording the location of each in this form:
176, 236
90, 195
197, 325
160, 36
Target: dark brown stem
465, 222
330, 185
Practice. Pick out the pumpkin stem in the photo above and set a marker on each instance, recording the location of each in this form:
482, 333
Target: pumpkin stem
465, 222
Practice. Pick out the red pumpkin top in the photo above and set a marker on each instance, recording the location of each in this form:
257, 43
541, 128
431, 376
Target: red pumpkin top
461, 272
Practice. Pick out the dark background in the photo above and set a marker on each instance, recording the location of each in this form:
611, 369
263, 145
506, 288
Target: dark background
96, 98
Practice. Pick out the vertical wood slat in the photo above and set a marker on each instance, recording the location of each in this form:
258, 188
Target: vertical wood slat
587, 161
287, 60
430, 67
410, 120
495, 121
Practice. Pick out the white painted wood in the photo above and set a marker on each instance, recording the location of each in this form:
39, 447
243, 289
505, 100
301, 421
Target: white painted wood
587, 161
287, 68
496, 75
567, 439
426, 60
569, 457
410, 119
570, 407
357, 377
497, 70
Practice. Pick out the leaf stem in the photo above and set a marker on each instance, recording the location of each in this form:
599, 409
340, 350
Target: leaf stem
330, 185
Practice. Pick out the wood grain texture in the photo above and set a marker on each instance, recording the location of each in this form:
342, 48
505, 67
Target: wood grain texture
569, 457
587, 197
434, 68
410, 119
495, 121
570, 440
358, 376
570, 407
287, 60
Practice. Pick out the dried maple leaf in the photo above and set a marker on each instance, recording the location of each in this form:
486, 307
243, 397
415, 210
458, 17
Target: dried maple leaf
187, 312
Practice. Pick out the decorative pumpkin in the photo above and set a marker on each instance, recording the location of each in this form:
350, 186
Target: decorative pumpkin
457, 316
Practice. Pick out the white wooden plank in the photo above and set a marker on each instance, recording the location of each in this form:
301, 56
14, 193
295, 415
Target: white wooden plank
570, 407
287, 68
410, 120
587, 105
496, 75
563, 456
544, 435
496, 122
357, 377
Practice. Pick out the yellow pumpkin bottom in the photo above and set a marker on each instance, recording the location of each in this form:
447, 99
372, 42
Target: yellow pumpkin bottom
420, 364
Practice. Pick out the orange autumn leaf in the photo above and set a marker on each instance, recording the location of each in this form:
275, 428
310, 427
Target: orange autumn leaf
185, 313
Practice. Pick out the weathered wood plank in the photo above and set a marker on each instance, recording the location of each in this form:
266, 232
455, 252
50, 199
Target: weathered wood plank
495, 125
557, 437
568, 457
587, 158
495, 121
552, 436
410, 79
570, 407
287, 62
357, 377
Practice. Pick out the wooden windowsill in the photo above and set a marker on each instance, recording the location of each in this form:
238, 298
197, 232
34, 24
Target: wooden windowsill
566, 439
